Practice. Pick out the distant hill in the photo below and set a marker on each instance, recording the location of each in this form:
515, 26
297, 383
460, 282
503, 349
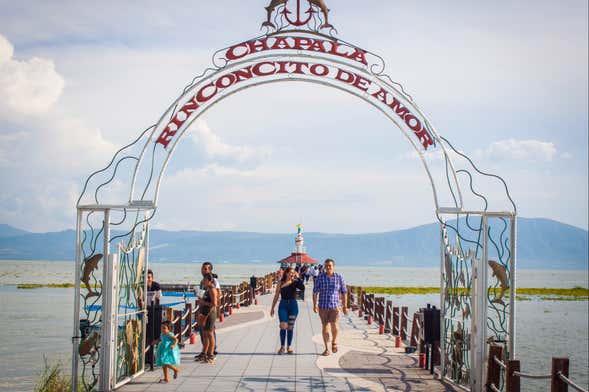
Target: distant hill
9, 231
542, 243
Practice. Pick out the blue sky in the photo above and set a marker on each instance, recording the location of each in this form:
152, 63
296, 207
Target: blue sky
506, 82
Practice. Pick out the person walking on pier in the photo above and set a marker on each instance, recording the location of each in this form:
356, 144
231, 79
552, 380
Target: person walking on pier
328, 288
288, 309
154, 292
208, 307
168, 354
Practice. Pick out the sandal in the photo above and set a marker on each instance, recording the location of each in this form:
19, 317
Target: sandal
162, 381
334, 347
281, 351
290, 351
176, 374
200, 357
325, 353
210, 359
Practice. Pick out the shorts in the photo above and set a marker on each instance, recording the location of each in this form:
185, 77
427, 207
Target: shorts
210, 323
328, 315
286, 309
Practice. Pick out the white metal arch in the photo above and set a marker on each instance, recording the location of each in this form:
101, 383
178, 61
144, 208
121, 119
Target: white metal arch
277, 56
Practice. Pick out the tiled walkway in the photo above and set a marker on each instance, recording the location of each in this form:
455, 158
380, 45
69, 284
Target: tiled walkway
248, 341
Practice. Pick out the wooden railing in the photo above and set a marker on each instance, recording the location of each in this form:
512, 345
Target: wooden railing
390, 319
184, 320
511, 373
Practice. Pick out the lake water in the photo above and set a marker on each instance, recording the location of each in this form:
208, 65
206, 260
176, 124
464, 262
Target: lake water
37, 324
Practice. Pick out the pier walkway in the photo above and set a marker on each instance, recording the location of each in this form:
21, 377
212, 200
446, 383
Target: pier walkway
248, 341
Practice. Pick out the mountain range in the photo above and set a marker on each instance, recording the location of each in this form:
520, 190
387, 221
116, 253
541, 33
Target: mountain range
541, 243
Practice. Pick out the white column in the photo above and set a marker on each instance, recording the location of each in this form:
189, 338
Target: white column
104, 384
76, 332
512, 286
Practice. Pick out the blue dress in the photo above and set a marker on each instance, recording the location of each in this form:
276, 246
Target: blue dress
165, 354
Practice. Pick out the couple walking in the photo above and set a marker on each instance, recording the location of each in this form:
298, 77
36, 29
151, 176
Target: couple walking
329, 288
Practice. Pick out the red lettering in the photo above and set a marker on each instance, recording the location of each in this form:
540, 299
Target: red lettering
281, 43
282, 67
258, 45
425, 138
190, 106
401, 110
381, 95
231, 52
334, 50
299, 67
361, 83
257, 69
413, 123
243, 74
359, 55
200, 97
344, 76
318, 46
300, 41
225, 81
166, 137
319, 69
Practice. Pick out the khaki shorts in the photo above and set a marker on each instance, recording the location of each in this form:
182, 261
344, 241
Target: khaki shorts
328, 315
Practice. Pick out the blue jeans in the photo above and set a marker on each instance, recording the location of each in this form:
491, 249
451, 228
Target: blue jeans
287, 309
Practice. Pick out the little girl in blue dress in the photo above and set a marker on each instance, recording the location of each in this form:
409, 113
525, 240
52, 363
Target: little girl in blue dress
168, 354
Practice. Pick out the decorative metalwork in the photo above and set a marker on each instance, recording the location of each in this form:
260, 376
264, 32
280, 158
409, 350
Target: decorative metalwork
131, 311
298, 45
280, 17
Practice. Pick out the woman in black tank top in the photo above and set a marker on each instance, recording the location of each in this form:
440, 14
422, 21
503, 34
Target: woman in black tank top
288, 308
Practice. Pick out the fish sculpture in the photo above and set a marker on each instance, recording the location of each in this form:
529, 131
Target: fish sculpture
132, 341
90, 344
323, 7
457, 347
270, 9
500, 273
448, 269
275, 3
466, 311
90, 264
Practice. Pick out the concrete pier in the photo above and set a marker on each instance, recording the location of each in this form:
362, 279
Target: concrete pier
247, 360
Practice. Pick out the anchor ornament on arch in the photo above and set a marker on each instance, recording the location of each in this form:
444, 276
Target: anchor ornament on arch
283, 9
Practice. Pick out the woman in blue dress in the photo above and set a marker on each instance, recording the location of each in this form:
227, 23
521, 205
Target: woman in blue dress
168, 354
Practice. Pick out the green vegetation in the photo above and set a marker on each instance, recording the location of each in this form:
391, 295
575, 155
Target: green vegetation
39, 285
574, 292
523, 294
52, 379
401, 290
50, 285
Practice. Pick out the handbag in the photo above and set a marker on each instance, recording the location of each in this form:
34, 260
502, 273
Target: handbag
201, 319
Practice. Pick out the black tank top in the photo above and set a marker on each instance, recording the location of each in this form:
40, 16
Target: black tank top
289, 292
206, 297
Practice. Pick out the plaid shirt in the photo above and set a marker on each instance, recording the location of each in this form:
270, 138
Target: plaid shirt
329, 289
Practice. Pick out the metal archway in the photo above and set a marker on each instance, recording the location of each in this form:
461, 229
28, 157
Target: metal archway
475, 234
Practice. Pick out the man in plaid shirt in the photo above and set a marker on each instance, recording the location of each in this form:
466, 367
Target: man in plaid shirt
328, 288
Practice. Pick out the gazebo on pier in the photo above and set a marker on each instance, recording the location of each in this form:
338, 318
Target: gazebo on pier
299, 256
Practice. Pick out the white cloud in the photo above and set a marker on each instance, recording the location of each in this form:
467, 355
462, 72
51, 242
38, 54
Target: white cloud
27, 87
525, 150
45, 148
215, 150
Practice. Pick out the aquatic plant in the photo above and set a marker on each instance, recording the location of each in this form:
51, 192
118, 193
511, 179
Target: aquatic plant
52, 379
561, 294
